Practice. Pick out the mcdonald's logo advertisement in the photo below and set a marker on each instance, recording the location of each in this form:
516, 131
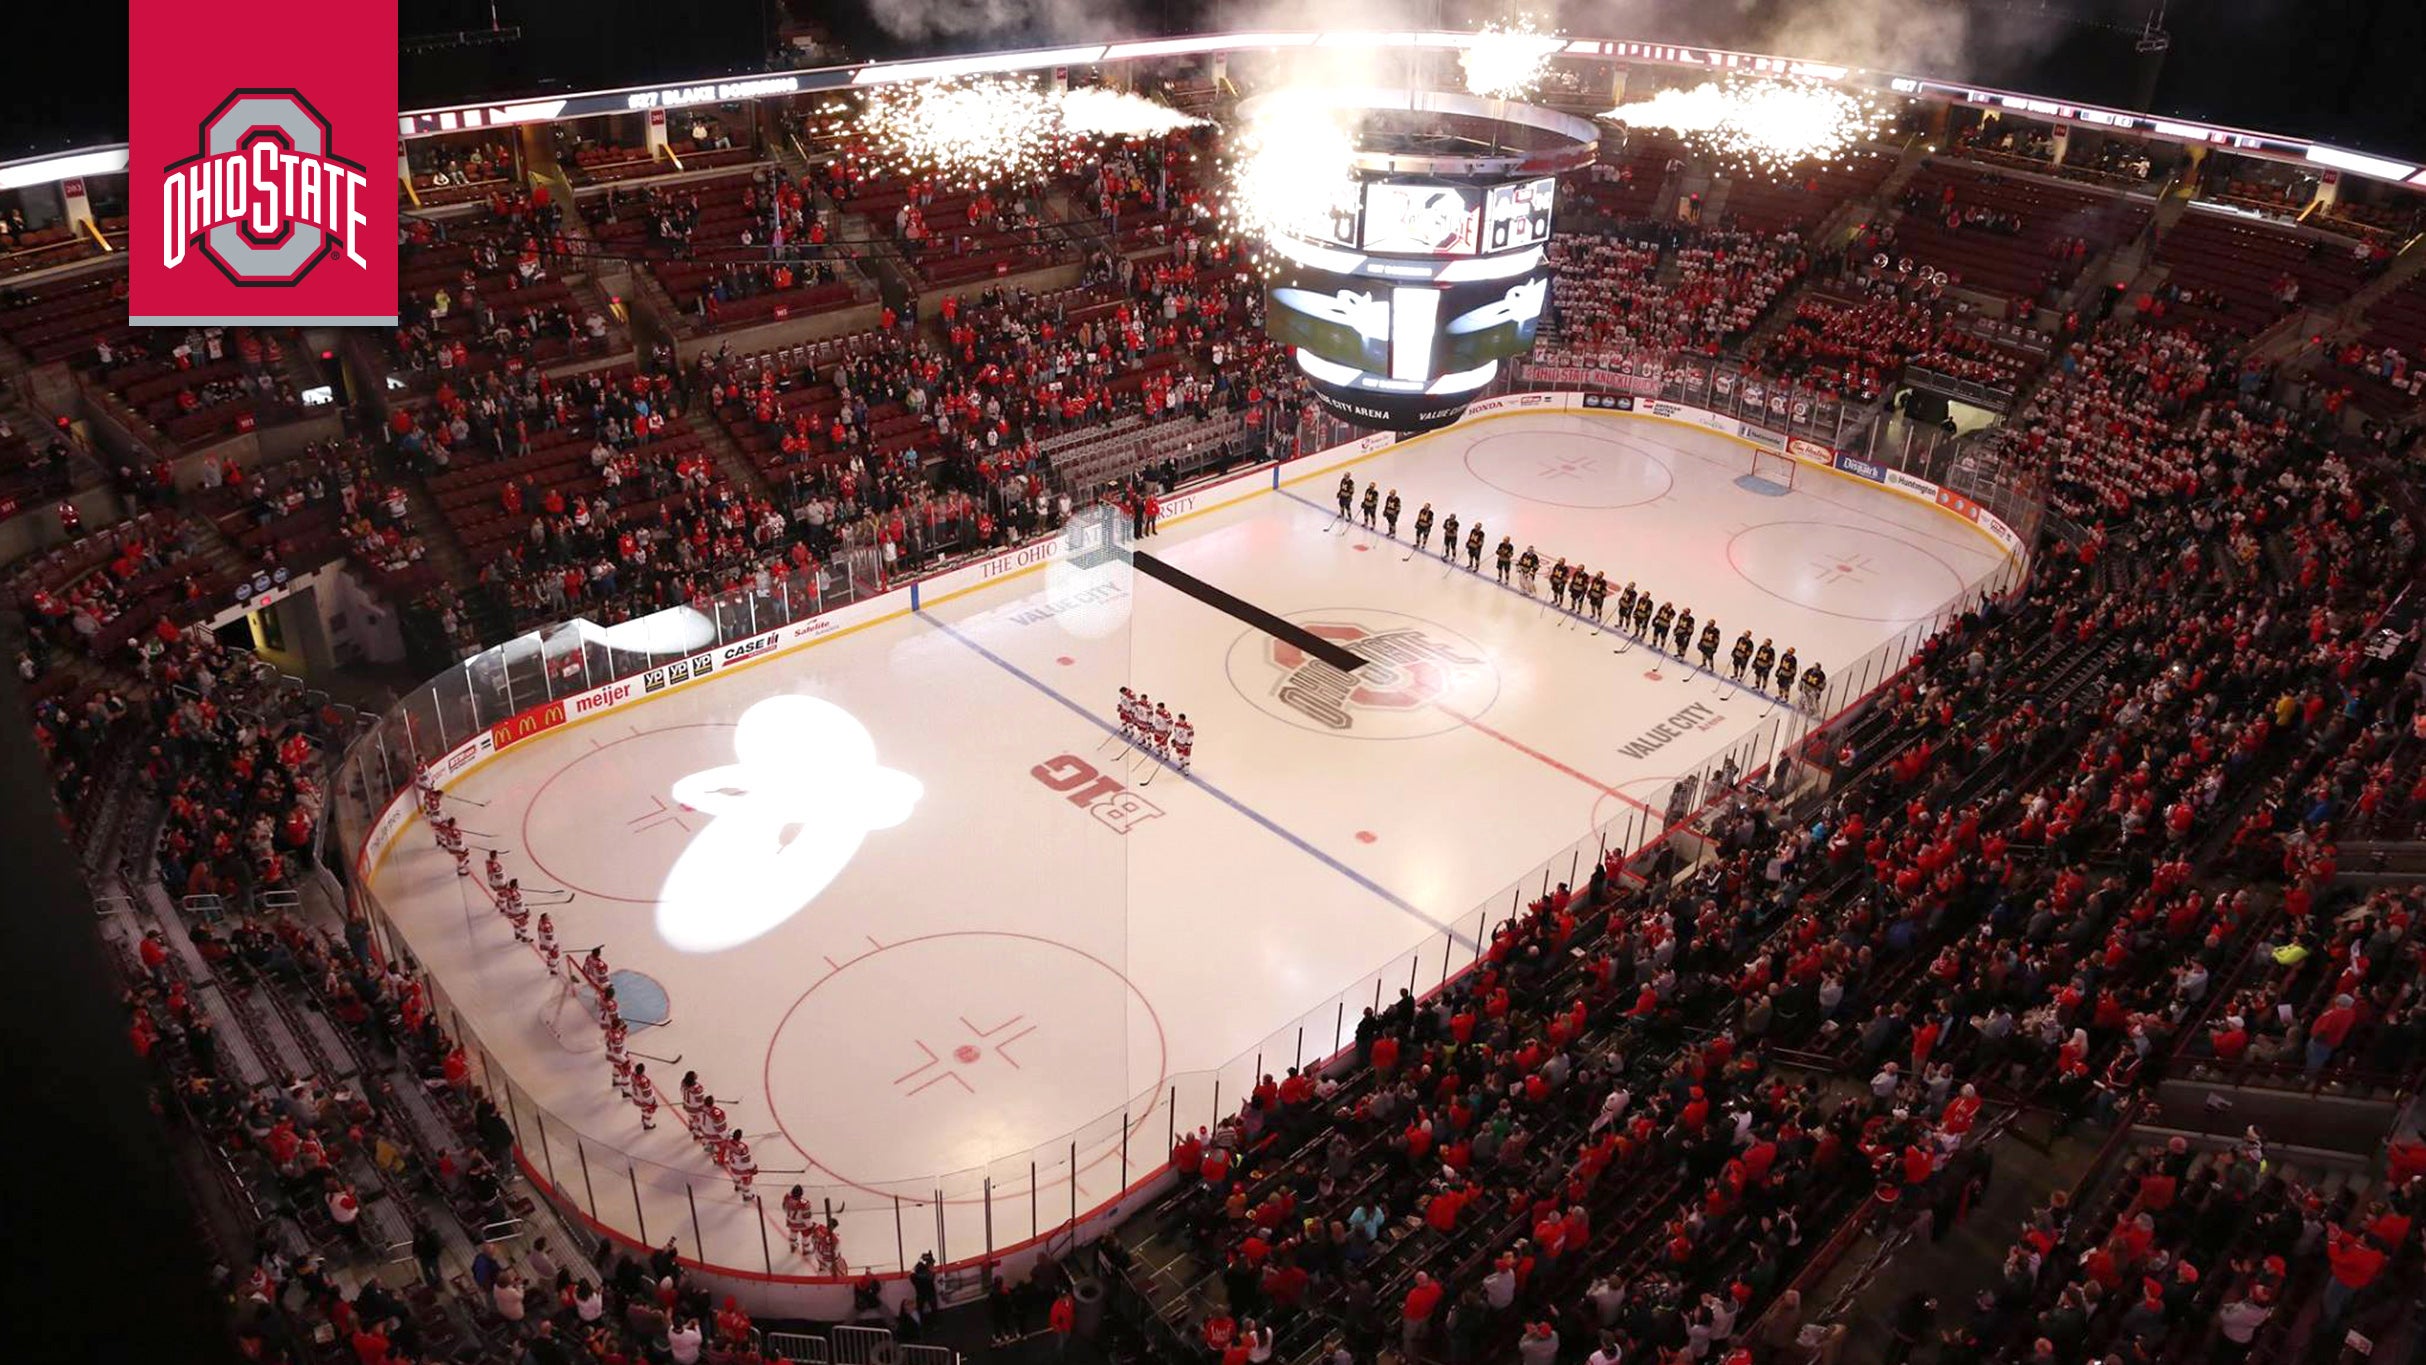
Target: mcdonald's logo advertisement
525, 725
261, 164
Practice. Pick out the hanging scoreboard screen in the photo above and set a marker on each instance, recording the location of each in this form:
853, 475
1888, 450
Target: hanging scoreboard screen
1449, 280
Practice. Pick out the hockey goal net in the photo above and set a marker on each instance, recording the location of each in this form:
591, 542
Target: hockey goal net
1774, 468
570, 1012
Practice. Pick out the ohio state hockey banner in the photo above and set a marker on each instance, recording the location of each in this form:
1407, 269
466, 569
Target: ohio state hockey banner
261, 182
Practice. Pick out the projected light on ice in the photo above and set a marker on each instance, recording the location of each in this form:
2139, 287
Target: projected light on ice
676, 630
784, 820
1086, 604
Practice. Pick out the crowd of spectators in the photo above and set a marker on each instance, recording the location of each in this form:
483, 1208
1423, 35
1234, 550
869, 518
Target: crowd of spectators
1607, 294
2133, 413
2000, 897
2088, 836
1858, 348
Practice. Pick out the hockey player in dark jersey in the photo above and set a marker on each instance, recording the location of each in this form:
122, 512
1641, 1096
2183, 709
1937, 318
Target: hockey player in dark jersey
1742, 655
1578, 584
1660, 621
1684, 631
1598, 595
1423, 526
1347, 494
1528, 566
1642, 613
1372, 503
1448, 538
1815, 686
1763, 659
1785, 675
1625, 606
1707, 647
1558, 582
1474, 548
1506, 557
1389, 513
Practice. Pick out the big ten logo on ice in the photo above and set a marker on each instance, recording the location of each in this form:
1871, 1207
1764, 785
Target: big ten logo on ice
272, 201
1085, 786
1417, 678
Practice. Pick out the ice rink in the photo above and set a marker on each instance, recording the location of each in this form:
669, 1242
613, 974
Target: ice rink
933, 926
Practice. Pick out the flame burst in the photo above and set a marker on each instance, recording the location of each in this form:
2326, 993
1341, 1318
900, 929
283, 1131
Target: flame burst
998, 130
1763, 125
1507, 60
1291, 169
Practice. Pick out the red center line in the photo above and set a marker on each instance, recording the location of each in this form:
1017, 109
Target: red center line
1529, 751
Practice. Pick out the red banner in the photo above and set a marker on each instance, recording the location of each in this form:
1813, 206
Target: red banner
261, 184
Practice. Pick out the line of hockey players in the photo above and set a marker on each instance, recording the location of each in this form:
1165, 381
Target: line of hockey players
1151, 726
1586, 594
726, 1146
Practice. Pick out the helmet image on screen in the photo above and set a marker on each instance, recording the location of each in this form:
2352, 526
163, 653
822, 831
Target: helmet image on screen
1438, 220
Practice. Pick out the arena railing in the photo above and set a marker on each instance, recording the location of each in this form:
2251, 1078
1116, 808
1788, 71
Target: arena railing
1025, 1197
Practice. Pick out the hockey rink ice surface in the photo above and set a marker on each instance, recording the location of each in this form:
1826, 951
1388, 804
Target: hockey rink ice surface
916, 907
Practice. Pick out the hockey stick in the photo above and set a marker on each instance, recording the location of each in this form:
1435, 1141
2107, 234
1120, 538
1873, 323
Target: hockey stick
465, 800
1148, 779
674, 1060
1410, 554
475, 833
783, 1170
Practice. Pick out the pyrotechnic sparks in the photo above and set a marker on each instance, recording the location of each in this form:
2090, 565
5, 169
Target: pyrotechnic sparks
1508, 60
1767, 125
1292, 170
982, 130
998, 130
1095, 111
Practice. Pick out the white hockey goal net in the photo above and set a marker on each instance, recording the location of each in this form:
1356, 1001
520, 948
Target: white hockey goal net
570, 1012
1771, 467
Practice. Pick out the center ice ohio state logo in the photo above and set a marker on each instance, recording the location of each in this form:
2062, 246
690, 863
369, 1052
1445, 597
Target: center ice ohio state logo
1418, 678
265, 198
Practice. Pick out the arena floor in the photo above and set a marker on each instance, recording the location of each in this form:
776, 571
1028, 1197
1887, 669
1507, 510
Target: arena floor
985, 949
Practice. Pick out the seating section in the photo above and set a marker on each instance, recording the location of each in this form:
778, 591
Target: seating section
2386, 363
452, 171
34, 464
1798, 200
692, 236
66, 318
202, 384
2010, 235
1608, 298
2246, 274
1624, 186
43, 248
97, 594
481, 291
1858, 343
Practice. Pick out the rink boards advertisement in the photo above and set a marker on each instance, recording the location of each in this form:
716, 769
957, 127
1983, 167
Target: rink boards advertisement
536, 721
